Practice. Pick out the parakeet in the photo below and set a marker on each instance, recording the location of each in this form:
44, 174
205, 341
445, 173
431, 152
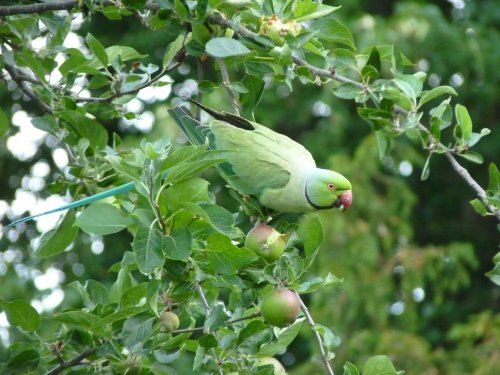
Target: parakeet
278, 171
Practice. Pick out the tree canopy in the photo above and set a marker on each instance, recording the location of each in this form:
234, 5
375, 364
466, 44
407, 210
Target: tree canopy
398, 96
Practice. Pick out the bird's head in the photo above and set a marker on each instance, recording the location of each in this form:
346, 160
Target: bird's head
328, 189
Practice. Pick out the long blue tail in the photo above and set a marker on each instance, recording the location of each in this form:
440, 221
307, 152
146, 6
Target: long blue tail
105, 194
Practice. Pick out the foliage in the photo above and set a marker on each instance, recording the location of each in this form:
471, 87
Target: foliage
172, 246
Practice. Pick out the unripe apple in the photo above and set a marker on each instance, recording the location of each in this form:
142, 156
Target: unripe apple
265, 241
169, 321
280, 308
278, 367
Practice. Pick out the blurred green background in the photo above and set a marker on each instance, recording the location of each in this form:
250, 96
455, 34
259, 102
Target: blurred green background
412, 254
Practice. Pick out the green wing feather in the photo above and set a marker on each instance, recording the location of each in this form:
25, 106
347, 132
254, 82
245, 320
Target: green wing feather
263, 160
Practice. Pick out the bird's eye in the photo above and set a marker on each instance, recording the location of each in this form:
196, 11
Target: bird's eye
331, 186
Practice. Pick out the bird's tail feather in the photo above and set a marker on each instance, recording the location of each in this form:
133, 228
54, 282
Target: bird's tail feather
96, 197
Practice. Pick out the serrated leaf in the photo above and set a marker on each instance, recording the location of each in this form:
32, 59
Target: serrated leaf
406, 89
97, 49
192, 190
379, 365
310, 233
46, 123
148, 249
57, 240
249, 100
102, 219
225, 47
435, 93
22, 314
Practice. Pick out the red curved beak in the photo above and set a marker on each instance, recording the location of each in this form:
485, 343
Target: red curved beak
346, 199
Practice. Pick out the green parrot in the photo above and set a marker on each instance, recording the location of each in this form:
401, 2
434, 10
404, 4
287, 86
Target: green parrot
278, 171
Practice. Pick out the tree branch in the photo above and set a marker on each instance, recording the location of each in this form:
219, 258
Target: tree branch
310, 320
72, 362
11, 10
26, 89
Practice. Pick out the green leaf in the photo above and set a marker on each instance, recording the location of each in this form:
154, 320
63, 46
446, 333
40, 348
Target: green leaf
384, 143
148, 249
472, 156
317, 283
24, 362
310, 233
285, 338
194, 190
57, 240
332, 30
196, 164
308, 9
76, 318
252, 328
435, 93
180, 10
494, 274
29, 60
226, 258
379, 365
347, 91
406, 88
22, 314
46, 123
4, 123
125, 53
425, 171
350, 369
464, 121
102, 218
97, 49
208, 341
225, 47
117, 316
494, 184
172, 50
177, 246
479, 207
249, 100
86, 128
136, 329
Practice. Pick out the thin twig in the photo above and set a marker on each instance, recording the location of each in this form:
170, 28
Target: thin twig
72, 362
310, 320
131, 91
462, 172
206, 306
227, 84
